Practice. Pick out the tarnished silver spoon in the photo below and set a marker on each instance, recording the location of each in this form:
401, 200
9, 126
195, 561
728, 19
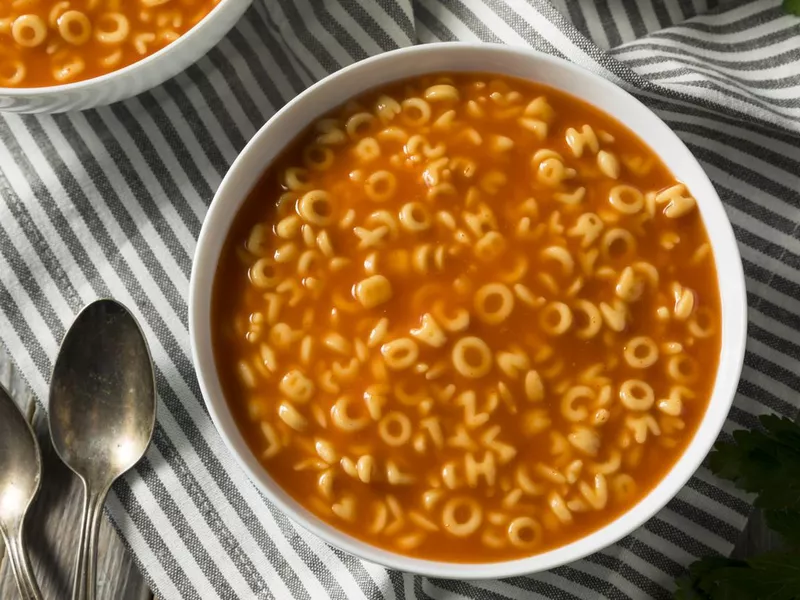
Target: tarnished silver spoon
102, 413
20, 475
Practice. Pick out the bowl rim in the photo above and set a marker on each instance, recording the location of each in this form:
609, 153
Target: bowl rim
733, 318
62, 88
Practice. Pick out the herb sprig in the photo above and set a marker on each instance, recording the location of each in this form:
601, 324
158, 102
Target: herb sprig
765, 462
792, 7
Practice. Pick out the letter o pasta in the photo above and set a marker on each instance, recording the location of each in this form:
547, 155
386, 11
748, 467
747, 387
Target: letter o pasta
29, 31
682, 368
395, 429
318, 158
315, 208
641, 352
12, 72
555, 318
367, 150
525, 532
74, 27
414, 217
618, 244
626, 199
263, 273
416, 111
636, 395
400, 354
380, 186
452, 521
342, 415
494, 303
112, 28
296, 179
472, 357
359, 124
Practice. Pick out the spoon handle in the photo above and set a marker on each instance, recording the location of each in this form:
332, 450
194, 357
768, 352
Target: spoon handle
21, 567
85, 587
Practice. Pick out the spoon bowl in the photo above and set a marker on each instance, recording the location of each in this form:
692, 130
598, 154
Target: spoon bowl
20, 477
102, 412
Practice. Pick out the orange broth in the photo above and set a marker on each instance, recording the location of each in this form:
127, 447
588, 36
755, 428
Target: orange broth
509, 442
53, 42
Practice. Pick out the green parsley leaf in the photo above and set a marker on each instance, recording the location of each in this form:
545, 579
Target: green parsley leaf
771, 576
766, 463
786, 523
693, 586
792, 7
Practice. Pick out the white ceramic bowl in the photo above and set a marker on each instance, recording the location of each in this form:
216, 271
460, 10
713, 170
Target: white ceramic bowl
517, 62
133, 79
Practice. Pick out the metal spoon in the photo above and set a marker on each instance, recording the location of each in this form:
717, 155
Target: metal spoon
20, 475
102, 413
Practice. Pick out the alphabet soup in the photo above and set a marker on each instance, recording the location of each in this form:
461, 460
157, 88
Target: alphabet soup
467, 318
54, 42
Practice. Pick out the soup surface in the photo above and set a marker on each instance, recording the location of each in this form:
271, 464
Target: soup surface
53, 42
467, 318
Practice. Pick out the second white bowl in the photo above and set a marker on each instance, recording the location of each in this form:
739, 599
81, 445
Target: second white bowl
133, 79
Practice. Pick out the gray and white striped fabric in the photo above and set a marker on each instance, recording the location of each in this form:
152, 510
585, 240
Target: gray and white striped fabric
110, 203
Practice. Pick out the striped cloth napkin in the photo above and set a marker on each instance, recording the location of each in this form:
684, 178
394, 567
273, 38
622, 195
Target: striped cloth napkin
110, 202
